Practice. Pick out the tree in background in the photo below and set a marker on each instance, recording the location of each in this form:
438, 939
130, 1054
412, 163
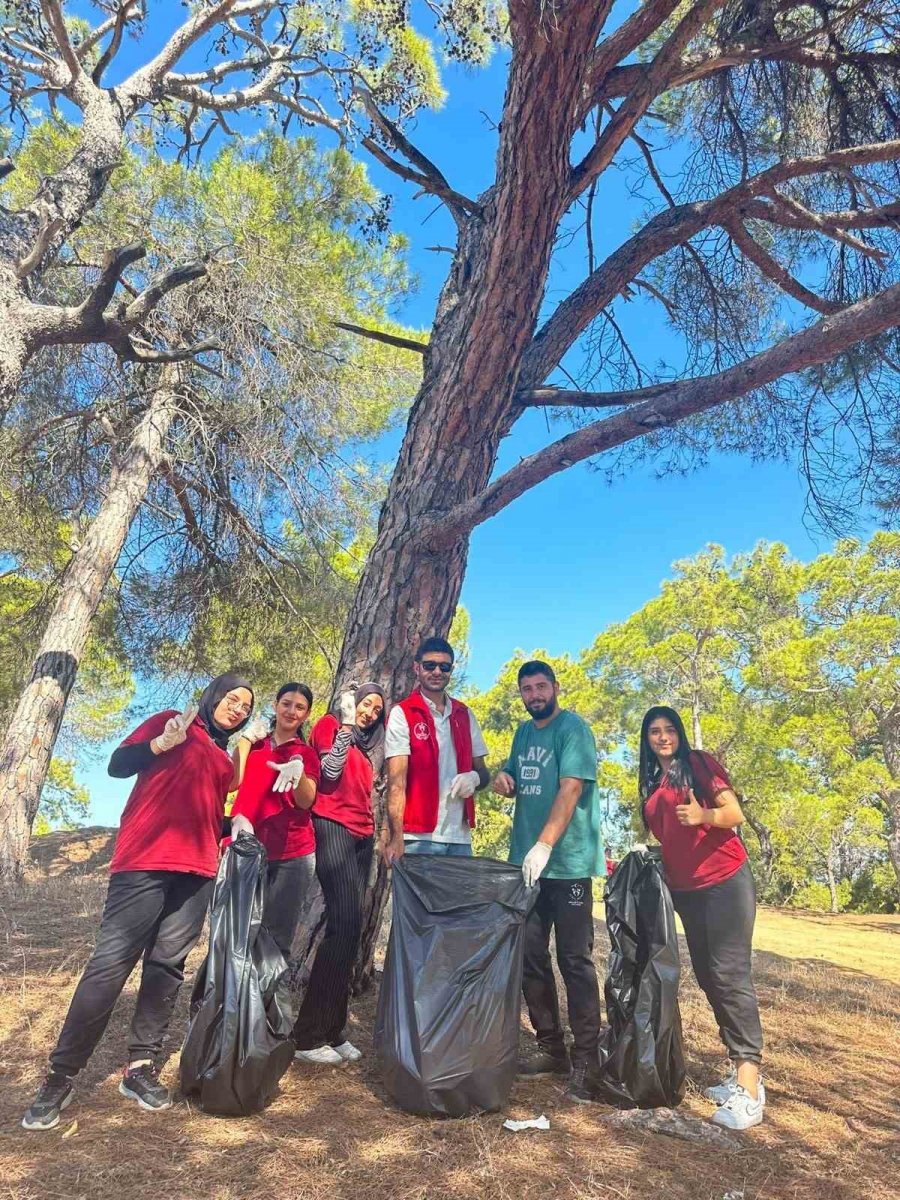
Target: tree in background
35, 548
787, 673
220, 493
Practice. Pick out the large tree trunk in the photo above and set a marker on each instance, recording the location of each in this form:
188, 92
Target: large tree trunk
485, 321
32, 731
890, 740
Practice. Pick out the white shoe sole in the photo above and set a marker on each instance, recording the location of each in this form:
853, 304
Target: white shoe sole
757, 1120
129, 1094
301, 1056
50, 1124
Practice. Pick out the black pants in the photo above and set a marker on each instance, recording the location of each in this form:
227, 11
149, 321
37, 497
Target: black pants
157, 914
287, 881
565, 905
342, 865
718, 924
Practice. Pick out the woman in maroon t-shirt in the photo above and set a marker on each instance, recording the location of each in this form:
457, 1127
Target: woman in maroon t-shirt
689, 806
351, 742
278, 775
161, 877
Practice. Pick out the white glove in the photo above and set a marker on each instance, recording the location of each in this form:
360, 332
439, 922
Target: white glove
347, 707
642, 846
464, 785
289, 774
256, 730
534, 862
239, 825
175, 730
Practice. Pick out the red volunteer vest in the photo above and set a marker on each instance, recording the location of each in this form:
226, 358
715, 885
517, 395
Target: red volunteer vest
421, 812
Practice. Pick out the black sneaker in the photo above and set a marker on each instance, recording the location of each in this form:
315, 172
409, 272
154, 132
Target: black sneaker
545, 1062
142, 1084
54, 1094
584, 1083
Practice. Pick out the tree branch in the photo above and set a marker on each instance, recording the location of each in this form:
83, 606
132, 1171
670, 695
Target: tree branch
427, 175
54, 18
554, 397
676, 226
389, 339
819, 343
773, 270
119, 21
114, 263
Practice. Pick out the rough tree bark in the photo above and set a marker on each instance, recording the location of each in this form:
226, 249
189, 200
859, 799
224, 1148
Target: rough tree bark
31, 734
890, 740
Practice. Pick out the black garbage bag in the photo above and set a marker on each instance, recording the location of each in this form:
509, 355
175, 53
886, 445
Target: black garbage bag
447, 1025
641, 1052
237, 1045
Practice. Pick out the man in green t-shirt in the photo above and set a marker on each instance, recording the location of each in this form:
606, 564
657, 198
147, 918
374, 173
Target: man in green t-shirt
552, 772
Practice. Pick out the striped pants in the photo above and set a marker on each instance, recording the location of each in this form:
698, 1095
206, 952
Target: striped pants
342, 865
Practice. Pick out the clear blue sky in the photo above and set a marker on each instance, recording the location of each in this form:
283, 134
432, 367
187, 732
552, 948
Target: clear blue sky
574, 554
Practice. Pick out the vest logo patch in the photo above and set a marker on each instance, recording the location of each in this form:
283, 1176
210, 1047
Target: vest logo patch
420, 731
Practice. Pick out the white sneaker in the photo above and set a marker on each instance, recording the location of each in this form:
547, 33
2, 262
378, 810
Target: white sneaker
740, 1110
720, 1092
348, 1052
321, 1056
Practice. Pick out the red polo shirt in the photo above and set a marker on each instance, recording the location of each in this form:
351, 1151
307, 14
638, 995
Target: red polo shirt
284, 830
172, 820
349, 800
695, 856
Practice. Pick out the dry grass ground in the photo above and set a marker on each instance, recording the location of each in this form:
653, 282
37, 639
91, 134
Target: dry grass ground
832, 1073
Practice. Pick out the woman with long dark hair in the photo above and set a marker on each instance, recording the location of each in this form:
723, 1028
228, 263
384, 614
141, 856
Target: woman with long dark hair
351, 742
161, 877
278, 775
690, 807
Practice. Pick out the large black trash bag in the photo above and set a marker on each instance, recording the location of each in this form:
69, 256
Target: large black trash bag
237, 1045
641, 1052
447, 1026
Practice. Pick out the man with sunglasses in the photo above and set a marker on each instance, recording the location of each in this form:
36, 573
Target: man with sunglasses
435, 755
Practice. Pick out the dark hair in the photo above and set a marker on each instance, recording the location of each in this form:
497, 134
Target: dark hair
303, 688
434, 645
649, 771
535, 667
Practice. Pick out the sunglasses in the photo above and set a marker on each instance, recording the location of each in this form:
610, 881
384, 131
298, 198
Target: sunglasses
429, 665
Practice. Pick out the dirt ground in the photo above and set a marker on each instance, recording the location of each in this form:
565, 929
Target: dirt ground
832, 1130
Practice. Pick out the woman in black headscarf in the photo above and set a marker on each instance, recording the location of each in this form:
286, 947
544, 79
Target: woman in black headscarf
162, 875
350, 741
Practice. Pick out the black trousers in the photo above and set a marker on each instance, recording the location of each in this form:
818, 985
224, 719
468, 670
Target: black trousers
565, 906
287, 881
342, 865
718, 924
157, 914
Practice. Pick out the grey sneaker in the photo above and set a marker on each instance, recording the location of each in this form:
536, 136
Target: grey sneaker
54, 1094
740, 1110
142, 1084
545, 1062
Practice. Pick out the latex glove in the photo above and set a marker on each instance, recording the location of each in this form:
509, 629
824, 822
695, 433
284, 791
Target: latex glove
256, 730
534, 862
175, 730
347, 707
504, 784
463, 785
239, 825
641, 846
289, 774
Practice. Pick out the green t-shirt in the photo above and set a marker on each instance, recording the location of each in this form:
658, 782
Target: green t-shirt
538, 760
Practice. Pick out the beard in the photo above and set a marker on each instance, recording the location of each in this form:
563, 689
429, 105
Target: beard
539, 712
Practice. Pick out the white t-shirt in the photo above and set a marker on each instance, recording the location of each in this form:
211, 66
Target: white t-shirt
451, 823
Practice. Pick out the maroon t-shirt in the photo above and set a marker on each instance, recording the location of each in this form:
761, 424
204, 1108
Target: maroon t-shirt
349, 800
172, 820
695, 856
284, 830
